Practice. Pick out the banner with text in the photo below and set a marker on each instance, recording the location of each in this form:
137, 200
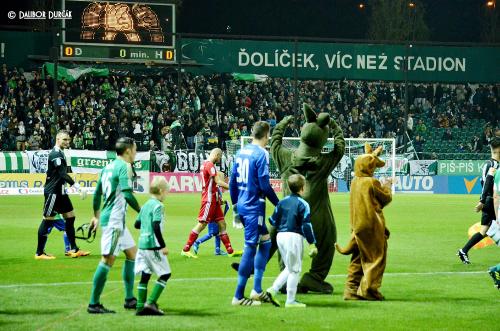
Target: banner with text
460, 167
181, 182
186, 161
23, 184
92, 162
344, 60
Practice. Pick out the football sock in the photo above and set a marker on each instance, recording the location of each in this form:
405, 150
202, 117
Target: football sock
281, 280
206, 237
128, 278
99, 281
244, 270
43, 231
158, 289
70, 231
472, 241
217, 244
291, 286
142, 290
260, 264
227, 243
192, 238
67, 245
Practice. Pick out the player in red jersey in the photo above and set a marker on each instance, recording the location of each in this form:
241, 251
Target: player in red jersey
211, 210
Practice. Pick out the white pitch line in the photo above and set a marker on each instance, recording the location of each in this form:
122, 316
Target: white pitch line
389, 274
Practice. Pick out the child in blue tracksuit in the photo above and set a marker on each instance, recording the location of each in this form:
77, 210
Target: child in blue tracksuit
291, 219
61, 226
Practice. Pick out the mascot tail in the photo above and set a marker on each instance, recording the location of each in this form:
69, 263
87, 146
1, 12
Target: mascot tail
347, 250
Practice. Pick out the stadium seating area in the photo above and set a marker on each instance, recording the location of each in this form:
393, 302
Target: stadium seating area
216, 108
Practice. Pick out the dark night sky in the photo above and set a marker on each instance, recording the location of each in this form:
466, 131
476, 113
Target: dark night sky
448, 20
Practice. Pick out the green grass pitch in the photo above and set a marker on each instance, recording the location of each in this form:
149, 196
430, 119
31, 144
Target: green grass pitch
425, 285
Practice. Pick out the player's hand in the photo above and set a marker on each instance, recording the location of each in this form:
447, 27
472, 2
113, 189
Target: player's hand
83, 193
386, 181
164, 250
82, 190
492, 171
479, 207
94, 223
313, 250
236, 218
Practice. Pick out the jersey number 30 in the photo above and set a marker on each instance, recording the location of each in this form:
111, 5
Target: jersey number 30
242, 166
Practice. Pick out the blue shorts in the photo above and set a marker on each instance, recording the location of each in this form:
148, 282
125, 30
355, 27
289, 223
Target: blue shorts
59, 225
255, 227
213, 228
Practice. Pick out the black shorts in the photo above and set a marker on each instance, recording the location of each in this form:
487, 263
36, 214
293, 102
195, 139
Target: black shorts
56, 204
487, 218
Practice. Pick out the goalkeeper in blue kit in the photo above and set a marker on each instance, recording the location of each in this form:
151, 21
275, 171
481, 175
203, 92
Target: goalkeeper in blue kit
249, 187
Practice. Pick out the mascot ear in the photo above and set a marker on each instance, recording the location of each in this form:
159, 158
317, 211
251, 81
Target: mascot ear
309, 114
323, 120
378, 151
368, 148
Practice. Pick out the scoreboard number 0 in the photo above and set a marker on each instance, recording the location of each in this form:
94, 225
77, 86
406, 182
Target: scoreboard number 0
123, 52
68, 51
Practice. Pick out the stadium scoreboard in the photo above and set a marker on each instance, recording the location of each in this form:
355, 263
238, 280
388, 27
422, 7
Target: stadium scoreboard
118, 31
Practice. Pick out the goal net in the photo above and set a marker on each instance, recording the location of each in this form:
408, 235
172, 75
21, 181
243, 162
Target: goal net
341, 177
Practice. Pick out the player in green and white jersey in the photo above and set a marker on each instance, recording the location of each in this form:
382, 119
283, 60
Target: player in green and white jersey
115, 188
152, 254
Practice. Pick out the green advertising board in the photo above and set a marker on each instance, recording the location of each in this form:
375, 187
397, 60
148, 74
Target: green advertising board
345, 60
460, 167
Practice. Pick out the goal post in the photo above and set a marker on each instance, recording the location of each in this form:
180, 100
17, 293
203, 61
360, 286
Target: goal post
344, 171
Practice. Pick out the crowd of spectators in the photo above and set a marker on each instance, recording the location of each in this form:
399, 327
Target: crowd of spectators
207, 111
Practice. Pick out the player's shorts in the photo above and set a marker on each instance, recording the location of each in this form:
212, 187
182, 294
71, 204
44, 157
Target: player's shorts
151, 261
213, 228
115, 240
487, 217
291, 247
59, 224
210, 211
255, 228
56, 204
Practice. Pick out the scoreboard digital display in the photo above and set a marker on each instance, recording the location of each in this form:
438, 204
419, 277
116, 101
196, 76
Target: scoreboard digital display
119, 31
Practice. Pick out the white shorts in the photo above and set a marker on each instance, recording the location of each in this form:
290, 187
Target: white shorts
115, 240
291, 247
151, 261
494, 231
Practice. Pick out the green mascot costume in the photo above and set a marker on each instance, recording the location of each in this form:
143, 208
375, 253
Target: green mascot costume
315, 166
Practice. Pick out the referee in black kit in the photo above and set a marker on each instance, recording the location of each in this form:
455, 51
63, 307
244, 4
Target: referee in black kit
485, 204
56, 199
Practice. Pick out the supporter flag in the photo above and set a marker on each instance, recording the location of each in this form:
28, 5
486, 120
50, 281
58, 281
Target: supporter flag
14, 162
70, 75
250, 77
487, 241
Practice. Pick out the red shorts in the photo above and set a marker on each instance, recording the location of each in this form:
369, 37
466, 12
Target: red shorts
210, 211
